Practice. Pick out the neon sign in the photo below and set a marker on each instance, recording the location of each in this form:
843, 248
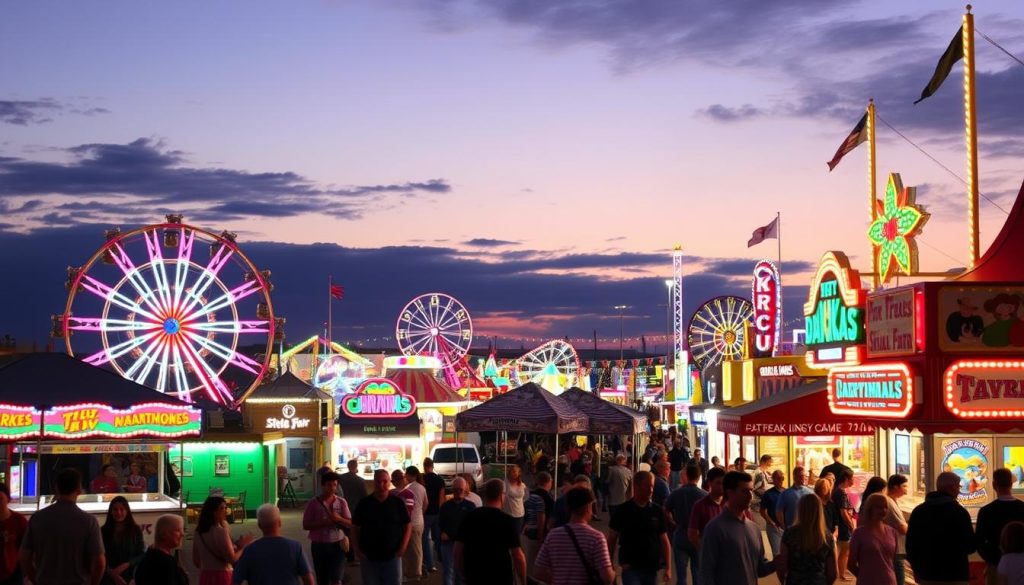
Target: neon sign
288, 421
985, 389
834, 314
892, 323
378, 398
407, 362
100, 420
767, 298
894, 233
883, 390
19, 422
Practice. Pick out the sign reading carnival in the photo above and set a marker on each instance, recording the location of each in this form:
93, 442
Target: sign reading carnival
834, 314
767, 298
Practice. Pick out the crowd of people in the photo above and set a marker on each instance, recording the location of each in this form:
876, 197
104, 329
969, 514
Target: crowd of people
701, 524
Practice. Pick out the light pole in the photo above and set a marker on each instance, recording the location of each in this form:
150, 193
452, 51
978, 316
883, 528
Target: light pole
620, 308
670, 285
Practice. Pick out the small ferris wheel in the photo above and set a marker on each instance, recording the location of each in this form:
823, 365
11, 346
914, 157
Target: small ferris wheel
435, 324
716, 330
554, 363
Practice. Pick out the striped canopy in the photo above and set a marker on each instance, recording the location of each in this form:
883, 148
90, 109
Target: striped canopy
528, 408
423, 386
606, 418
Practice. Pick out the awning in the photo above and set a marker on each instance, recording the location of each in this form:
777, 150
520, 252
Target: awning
800, 411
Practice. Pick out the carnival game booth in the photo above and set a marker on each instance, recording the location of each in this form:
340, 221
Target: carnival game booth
607, 418
295, 422
526, 409
58, 412
378, 425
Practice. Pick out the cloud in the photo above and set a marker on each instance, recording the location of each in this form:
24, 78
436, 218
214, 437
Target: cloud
41, 111
745, 267
118, 179
726, 114
489, 243
509, 301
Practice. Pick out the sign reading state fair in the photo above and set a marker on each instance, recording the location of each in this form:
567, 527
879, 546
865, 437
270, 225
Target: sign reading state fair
834, 314
378, 398
987, 389
100, 420
767, 298
883, 390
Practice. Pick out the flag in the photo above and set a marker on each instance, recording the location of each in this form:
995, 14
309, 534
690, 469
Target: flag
763, 233
338, 291
857, 135
954, 52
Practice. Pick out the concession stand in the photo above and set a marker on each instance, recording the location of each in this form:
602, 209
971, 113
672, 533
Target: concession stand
58, 412
378, 425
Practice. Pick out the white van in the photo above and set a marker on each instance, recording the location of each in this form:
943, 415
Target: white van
453, 458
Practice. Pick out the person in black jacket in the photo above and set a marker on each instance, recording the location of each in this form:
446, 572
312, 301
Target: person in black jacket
993, 517
940, 536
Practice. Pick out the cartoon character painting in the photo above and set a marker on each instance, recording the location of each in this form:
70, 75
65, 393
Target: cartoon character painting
1007, 328
964, 325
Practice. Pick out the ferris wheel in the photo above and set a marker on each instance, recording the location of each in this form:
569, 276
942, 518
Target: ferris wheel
716, 330
167, 306
435, 324
555, 362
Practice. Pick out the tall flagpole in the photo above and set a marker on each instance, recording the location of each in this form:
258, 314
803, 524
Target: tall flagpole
971, 129
872, 190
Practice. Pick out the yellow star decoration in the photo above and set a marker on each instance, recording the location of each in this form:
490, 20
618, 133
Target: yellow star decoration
899, 221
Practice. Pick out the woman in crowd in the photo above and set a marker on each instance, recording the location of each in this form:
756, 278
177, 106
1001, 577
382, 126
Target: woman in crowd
823, 489
1011, 565
160, 565
122, 541
13, 525
515, 496
875, 485
807, 555
213, 552
873, 545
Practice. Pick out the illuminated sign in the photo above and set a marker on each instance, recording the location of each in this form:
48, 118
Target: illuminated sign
99, 420
985, 389
807, 429
767, 298
19, 422
893, 326
288, 420
378, 398
883, 390
893, 233
969, 459
834, 314
777, 371
412, 362
338, 373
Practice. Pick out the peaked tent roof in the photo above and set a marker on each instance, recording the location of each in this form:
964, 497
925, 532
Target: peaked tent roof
288, 385
57, 379
423, 386
606, 418
528, 408
1001, 262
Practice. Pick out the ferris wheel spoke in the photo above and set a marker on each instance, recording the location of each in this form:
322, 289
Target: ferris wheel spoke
208, 276
185, 241
449, 319
161, 378
109, 325
108, 294
226, 353
717, 318
182, 388
228, 298
145, 362
157, 267
227, 326
214, 386
415, 347
452, 341
711, 326
420, 320
111, 353
134, 276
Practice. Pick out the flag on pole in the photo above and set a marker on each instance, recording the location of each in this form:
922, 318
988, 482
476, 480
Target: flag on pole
338, 291
858, 135
763, 233
954, 52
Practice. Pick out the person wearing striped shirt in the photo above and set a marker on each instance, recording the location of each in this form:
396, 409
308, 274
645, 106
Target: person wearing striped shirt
559, 562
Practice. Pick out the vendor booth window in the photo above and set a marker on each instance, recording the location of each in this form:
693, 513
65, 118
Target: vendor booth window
102, 473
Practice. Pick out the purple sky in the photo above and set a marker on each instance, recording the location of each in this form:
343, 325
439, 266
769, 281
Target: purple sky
536, 159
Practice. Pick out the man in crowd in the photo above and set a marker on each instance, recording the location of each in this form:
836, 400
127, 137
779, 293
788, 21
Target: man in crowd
619, 478
644, 545
662, 470
769, 508
381, 533
836, 467
841, 498
273, 559
732, 552
678, 508
412, 564
739, 464
558, 562
785, 512
993, 517
762, 481
160, 562
539, 507
63, 543
561, 514
701, 464
707, 507
487, 548
678, 457
434, 486
353, 487
895, 489
449, 519
940, 536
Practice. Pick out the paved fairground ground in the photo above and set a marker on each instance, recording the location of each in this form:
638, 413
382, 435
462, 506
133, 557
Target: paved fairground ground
292, 528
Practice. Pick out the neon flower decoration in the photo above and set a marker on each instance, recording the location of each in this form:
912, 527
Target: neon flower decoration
150, 306
894, 232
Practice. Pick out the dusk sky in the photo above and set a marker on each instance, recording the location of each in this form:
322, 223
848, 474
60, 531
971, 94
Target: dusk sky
537, 159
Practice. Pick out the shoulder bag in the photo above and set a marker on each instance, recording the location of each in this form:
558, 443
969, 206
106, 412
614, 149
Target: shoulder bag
592, 575
344, 542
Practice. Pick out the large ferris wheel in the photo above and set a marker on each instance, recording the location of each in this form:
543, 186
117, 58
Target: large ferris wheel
167, 306
435, 324
716, 330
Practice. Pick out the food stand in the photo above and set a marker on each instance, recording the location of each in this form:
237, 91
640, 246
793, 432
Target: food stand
58, 412
378, 425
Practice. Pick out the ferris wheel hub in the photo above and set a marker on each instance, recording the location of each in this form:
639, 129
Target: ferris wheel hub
171, 326
435, 331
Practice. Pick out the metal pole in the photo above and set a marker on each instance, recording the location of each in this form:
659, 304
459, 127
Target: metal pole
971, 128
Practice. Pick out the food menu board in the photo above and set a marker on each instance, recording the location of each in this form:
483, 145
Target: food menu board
778, 448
